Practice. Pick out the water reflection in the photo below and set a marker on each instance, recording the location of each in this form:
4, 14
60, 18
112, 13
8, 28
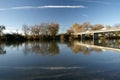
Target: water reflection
33, 61
2, 50
14, 44
51, 48
43, 48
98, 46
110, 43
76, 48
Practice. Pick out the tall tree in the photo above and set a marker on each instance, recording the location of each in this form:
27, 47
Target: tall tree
85, 26
26, 30
76, 28
35, 30
44, 28
53, 29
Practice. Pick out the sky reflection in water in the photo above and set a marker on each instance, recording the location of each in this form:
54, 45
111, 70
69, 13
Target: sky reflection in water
59, 61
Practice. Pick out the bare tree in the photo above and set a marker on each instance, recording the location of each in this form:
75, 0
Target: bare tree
80, 27
26, 30
44, 28
53, 29
1, 29
76, 28
35, 31
85, 26
97, 27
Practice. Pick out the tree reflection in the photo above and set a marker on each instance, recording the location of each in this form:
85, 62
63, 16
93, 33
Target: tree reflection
111, 43
43, 48
83, 49
2, 51
86, 50
51, 48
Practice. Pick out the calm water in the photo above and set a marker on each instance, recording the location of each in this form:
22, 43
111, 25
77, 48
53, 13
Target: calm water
60, 61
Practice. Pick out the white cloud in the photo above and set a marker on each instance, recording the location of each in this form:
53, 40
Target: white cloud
62, 6
41, 7
23, 7
94, 1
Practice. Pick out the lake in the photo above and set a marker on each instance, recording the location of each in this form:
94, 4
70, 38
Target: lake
60, 60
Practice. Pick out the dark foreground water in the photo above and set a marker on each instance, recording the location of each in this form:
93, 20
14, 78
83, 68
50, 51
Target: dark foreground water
60, 61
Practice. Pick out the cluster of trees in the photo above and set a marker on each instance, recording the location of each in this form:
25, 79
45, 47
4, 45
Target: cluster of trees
43, 29
49, 31
8, 36
86, 26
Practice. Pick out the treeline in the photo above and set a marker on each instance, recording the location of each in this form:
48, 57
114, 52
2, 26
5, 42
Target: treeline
49, 31
86, 26
41, 31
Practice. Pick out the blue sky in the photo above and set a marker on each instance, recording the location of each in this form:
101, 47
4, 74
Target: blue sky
15, 13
